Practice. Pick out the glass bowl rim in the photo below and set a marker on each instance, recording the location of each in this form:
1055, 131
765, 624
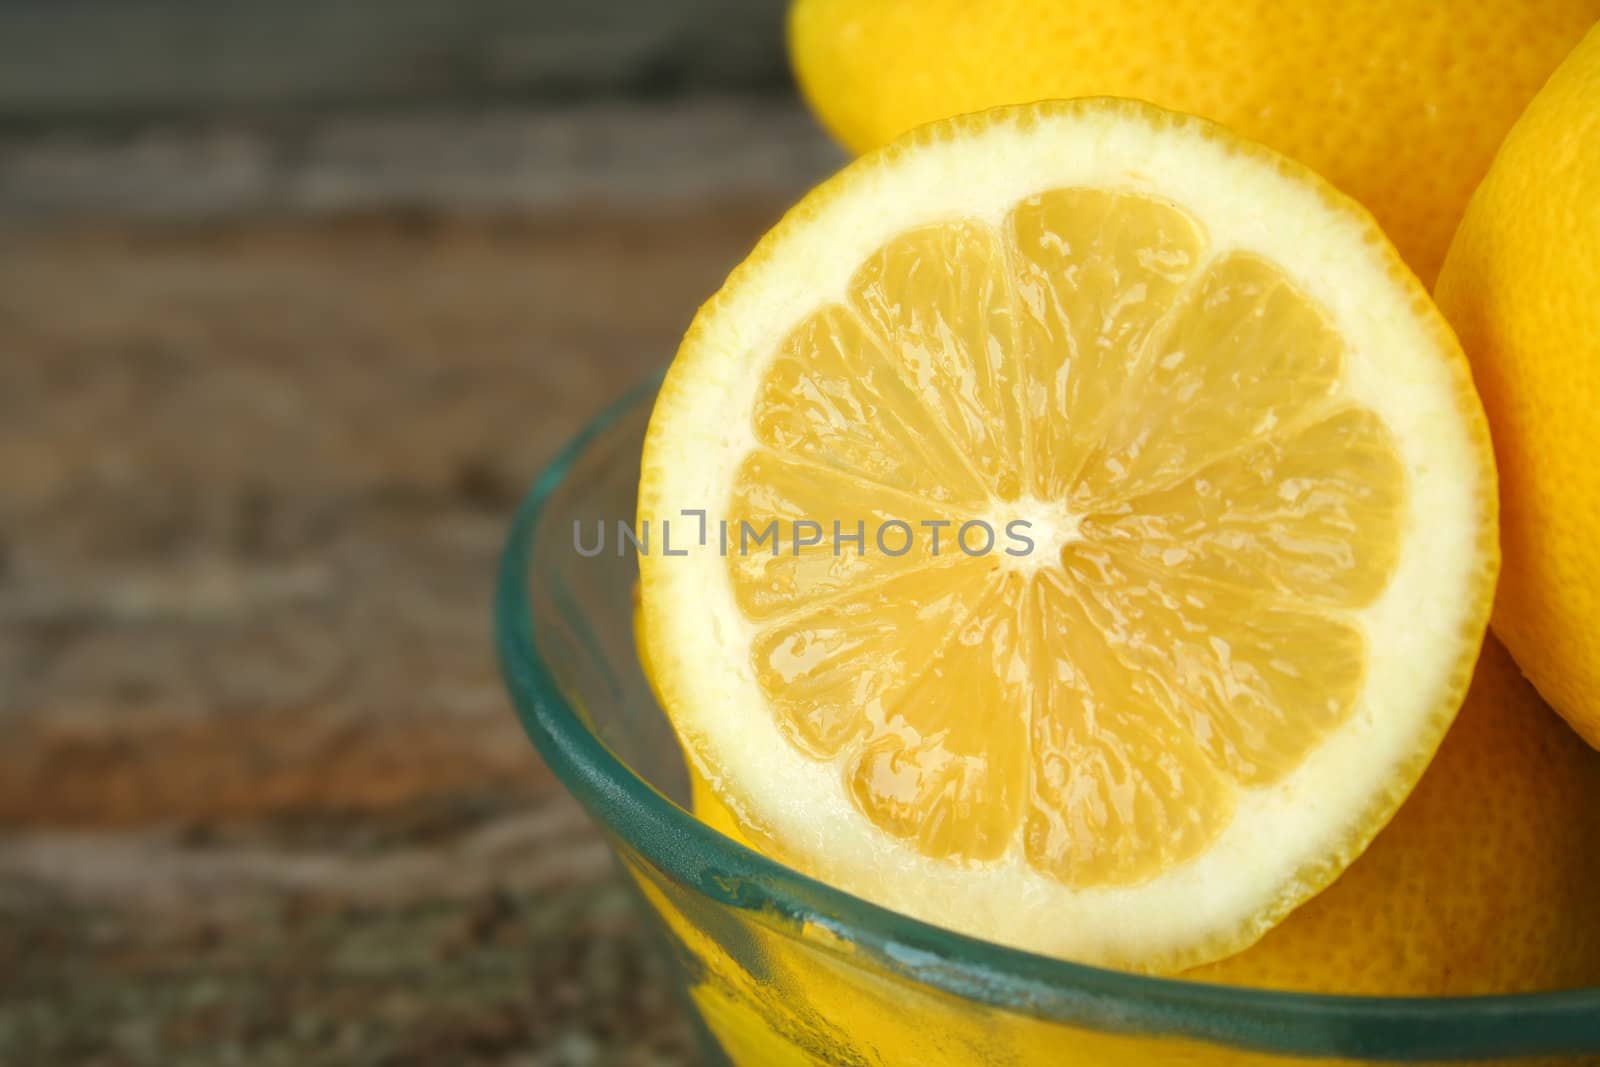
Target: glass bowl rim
1557, 1022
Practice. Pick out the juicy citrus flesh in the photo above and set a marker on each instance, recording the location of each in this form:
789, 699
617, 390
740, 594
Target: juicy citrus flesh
1216, 509
1258, 502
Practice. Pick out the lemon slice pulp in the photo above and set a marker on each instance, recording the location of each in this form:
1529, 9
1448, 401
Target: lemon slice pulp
1128, 533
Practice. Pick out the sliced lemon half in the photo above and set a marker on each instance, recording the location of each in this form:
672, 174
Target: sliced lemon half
1215, 517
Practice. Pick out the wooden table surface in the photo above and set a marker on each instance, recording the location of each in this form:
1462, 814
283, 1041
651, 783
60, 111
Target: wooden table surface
262, 799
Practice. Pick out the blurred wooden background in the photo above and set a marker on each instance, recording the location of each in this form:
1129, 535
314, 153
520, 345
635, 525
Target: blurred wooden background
102, 59
295, 299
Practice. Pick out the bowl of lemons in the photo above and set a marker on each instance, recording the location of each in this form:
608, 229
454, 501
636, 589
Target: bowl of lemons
1105, 579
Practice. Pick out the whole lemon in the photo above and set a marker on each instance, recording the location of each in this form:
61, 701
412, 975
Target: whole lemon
1522, 288
1484, 881
1400, 103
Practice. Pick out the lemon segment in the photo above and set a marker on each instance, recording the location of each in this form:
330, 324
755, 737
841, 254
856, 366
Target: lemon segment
1191, 520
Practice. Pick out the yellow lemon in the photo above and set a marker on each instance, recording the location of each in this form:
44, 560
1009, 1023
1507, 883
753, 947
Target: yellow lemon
1217, 504
1522, 288
1399, 103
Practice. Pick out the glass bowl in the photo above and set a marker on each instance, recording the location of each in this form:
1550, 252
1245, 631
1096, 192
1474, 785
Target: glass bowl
783, 970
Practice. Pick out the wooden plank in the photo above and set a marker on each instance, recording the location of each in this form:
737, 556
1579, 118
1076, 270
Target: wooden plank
505, 160
109, 59
254, 480
349, 943
262, 798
